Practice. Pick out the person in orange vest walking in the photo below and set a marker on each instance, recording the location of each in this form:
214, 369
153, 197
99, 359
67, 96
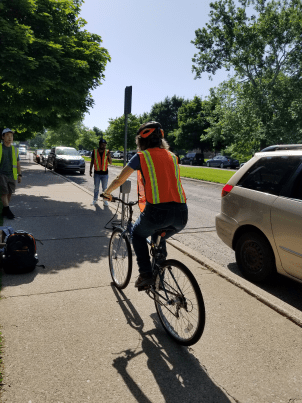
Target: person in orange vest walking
100, 158
162, 200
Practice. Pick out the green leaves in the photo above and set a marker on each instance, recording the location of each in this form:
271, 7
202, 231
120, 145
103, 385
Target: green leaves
260, 105
115, 134
48, 62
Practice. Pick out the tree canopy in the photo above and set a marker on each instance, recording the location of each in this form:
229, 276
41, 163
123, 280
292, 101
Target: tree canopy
115, 133
192, 123
263, 49
49, 64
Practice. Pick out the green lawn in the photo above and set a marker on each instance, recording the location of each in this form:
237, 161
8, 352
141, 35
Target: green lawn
206, 174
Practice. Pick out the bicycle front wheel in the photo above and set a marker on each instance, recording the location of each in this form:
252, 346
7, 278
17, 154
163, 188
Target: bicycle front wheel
120, 258
179, 303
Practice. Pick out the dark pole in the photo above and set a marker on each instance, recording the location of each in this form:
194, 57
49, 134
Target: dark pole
127, 110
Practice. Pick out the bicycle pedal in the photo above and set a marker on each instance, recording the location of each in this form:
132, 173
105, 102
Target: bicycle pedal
143, 288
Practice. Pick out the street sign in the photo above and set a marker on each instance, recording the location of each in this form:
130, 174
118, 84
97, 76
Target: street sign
128, 100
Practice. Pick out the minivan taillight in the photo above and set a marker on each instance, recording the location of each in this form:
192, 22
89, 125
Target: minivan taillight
226, 190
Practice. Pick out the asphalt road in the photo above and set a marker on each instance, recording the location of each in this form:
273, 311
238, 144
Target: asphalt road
204, 200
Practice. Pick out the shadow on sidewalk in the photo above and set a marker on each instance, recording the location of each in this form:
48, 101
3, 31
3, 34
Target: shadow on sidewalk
282, 287
178, 373
71, 233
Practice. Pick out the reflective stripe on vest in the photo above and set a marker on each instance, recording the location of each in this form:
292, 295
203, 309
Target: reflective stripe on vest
15, 153
152, 176
162, 177
100, 164
177, 175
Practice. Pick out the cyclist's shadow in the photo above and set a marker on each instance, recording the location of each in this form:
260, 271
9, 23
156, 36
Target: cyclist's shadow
178, 373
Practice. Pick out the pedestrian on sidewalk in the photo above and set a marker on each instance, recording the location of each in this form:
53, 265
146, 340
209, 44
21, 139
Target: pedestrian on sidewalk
162, 200
100, 159
10, 171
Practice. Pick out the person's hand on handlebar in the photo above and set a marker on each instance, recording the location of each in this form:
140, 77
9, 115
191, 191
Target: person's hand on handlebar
106, 196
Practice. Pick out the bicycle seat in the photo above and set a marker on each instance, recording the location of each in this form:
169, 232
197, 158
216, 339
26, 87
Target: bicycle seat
163, 230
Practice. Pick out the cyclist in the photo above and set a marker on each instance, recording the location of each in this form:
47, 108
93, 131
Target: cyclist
162, 200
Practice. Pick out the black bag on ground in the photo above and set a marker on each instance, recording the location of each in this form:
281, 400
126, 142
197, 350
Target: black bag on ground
19, 253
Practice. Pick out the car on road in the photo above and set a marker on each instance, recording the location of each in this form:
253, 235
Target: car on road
192, 159
118, 154
44, 156
22, 150
65, 158
37, 155
261, 215
223, 161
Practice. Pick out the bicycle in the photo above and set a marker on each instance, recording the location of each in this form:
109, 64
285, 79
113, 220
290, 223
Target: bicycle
176, 293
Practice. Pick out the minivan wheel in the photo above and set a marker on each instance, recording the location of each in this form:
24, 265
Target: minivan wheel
221, 165
255, 257
191, 162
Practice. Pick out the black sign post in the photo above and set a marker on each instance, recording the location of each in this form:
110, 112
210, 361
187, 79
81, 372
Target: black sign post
127, 110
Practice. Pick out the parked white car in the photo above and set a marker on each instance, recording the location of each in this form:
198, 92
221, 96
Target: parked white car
118, 154
261, 214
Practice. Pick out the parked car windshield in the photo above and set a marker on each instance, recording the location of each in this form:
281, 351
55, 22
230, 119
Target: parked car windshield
67, 151
46, 152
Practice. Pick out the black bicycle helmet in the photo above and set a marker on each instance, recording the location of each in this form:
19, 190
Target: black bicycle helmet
147, 128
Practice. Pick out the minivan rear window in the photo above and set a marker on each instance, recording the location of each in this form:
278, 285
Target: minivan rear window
270, 174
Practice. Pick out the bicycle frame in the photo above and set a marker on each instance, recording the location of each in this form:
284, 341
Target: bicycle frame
154, 251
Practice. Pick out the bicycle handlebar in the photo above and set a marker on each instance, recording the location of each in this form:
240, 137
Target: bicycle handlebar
114, 199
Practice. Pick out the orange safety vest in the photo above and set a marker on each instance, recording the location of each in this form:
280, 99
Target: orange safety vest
159, 178
100, 164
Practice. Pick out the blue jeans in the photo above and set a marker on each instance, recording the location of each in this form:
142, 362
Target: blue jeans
155, 217
97, 180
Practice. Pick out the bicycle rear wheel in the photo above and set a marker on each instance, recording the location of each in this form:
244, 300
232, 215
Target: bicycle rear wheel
183, 315
120, 258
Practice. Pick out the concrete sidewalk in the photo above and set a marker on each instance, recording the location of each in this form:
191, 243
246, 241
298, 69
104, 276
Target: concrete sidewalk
70, 337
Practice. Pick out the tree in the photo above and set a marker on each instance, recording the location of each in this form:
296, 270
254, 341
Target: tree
192, 124
66, 135
264, 51
166, 113
49, 64
98, 132
87, 139
115, 133
38, 141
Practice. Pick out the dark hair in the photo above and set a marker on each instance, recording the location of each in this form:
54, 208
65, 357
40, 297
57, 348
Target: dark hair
154, 140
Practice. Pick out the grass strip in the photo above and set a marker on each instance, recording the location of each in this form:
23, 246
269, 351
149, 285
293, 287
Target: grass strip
206, 174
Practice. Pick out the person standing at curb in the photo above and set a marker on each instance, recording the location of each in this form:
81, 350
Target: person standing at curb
10, 171
100, 159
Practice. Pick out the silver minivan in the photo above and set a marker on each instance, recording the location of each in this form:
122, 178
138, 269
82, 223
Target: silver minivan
261, 215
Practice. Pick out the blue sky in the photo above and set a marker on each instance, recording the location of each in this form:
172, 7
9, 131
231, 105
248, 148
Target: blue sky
149, 43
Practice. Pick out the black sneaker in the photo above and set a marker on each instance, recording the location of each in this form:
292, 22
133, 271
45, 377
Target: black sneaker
144, 280
6, 212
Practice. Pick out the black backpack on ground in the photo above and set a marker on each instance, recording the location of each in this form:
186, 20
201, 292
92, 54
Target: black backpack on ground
19, 255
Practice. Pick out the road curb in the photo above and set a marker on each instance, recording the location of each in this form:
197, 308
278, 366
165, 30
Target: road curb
284, 309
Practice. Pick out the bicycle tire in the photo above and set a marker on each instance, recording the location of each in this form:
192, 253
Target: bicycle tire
120, 261
189, 311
